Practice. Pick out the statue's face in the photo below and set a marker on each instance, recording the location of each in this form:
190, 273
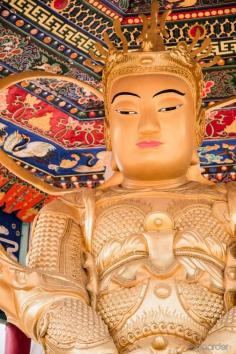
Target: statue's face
152, 126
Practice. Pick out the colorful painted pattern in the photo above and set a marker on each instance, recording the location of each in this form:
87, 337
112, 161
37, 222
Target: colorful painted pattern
221, 124
19, 198
25, 110
10, 233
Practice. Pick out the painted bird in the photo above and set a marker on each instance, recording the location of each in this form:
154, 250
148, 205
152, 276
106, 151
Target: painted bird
19, 145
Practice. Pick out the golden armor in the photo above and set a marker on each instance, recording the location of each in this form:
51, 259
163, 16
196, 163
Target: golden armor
147, 263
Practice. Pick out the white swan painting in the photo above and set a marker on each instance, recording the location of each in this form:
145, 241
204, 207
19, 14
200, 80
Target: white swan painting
19, 145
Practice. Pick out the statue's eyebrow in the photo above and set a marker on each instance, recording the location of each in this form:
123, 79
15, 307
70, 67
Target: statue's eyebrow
124, 93
169, 91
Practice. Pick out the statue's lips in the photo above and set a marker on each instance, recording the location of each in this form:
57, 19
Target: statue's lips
148, 144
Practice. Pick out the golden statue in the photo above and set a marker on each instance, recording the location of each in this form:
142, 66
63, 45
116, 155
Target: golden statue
147, 263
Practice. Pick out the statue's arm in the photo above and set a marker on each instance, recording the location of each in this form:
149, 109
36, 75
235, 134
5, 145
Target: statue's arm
48, 298
222, 337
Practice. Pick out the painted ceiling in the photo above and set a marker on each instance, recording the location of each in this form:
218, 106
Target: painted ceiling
54, 128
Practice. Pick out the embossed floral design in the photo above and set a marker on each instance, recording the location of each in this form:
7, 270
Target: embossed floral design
9, 46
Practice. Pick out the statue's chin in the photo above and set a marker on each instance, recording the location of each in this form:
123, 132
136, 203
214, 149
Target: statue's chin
153, 169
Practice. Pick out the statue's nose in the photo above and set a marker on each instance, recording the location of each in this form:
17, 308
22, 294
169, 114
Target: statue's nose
148, 121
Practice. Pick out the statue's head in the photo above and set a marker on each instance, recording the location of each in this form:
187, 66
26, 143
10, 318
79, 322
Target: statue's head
154, 120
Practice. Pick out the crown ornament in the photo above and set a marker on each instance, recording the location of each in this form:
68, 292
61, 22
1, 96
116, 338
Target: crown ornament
184, 61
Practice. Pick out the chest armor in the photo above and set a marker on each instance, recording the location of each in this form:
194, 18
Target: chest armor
160, 258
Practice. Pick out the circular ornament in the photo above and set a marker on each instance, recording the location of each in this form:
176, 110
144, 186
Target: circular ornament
60, 4
193, 31
162, 291
20, 23
157, 221
159, 343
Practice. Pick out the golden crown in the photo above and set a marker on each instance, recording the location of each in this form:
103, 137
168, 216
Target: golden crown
184, 61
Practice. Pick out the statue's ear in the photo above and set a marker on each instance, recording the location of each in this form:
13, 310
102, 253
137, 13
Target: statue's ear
6, 160
200, 127
107, 134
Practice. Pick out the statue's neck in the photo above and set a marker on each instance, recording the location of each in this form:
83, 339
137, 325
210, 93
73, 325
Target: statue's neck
162, 184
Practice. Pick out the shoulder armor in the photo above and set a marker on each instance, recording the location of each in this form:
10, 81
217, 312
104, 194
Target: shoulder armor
83, 201
74, 198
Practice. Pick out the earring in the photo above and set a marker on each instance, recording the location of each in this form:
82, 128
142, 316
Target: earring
107, 137
200, 127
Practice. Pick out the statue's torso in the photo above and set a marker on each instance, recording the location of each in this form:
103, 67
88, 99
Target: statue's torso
160, 257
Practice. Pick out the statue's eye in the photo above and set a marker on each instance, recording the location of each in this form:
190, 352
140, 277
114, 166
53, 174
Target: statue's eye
166, 109
126, 112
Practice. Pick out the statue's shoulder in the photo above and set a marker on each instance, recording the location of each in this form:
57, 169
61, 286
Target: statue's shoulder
216, 193
78, 199
109, 192
222, 193
211, 192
